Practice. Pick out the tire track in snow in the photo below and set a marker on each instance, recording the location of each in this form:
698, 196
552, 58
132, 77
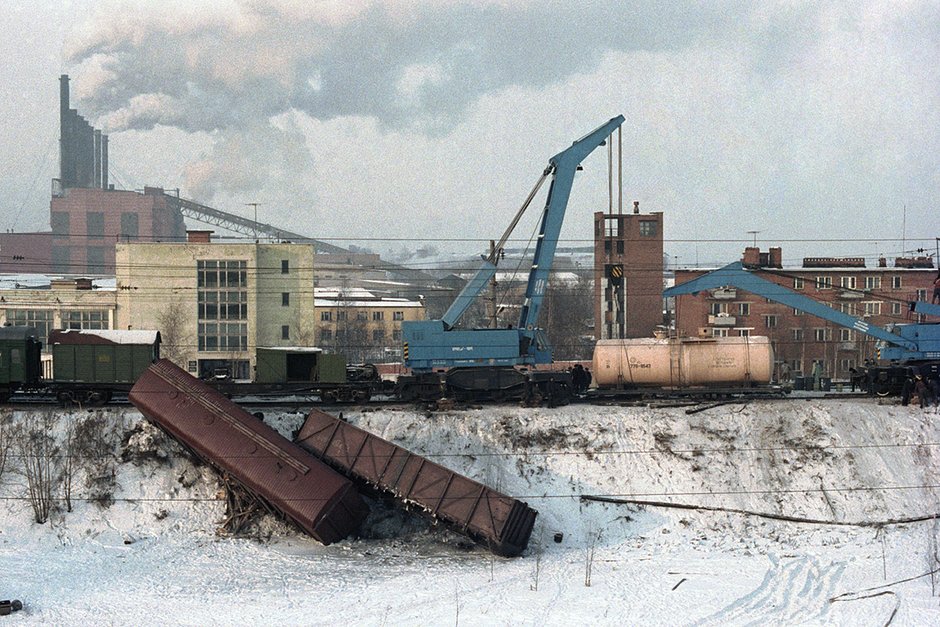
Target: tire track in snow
793, 591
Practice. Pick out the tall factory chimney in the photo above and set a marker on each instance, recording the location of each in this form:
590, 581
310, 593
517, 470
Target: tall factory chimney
64, 130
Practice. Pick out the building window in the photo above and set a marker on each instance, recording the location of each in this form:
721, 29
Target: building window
847, 282
326, 316
896, 309
921, 294
744, 332
719, 332
847, 308
61, 259
95, 319
326, 336
744, 309
130, 226
285, 299
362, 316
378, 316
797, 312
845, 335
847, 364
59, 220
873, 283
285, 266
396, 335
823, 282
613, 226
896, 282
796, 365
95, 259
647, 228
398, 316
872, 308
40, 319
770, 320
378, 336
222, 305
798, 283
341, 316
797, 334
716, 309
95, 223
823, 334
285, 332
620, 247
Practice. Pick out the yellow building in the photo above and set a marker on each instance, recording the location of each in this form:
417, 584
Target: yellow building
216, 303
361, 325
56, 303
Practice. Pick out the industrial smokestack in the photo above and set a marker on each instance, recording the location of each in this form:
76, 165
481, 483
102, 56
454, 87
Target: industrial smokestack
64, 131
96, 148
104, 162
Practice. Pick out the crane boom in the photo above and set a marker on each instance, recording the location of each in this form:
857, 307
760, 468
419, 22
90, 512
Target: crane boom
432, 344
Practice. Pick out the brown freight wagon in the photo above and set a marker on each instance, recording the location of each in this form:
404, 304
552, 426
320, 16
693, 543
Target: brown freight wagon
289, 479
502, 523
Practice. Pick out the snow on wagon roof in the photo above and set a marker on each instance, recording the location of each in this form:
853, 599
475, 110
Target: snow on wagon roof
104, 336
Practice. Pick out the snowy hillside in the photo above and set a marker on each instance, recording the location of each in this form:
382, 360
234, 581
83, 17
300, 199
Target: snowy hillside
141, 544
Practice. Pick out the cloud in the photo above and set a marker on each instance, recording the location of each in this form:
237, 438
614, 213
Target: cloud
779, 117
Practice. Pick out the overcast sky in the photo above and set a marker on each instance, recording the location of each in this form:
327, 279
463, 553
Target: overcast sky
427, 122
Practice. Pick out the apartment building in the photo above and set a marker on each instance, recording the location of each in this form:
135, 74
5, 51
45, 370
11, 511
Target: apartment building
361, 325
878, 294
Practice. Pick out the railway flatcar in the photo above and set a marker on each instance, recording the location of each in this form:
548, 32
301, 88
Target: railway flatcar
286, 477
502, 523
683, 363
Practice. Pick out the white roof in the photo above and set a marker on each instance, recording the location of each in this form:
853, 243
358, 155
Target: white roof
130, 336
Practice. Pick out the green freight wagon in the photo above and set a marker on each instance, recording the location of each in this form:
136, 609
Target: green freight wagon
299, 364
88, 366
20, 360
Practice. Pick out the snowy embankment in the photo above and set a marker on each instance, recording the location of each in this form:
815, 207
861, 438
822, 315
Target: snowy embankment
141, 544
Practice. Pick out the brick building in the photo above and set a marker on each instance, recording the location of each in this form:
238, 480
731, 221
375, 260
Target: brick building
628, 274
878, 294
87, 223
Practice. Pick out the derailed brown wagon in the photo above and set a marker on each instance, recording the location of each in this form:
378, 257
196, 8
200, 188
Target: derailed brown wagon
499, 521
287, 478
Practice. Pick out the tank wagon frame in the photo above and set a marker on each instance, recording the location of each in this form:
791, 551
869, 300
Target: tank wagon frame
285, 477
500, 522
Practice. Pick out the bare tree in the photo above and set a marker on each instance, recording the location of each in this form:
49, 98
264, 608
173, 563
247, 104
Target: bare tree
40, 462
175, 340
567, 314
5, 440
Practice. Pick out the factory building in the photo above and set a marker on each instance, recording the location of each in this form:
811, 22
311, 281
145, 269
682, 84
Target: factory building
879, 295
628, 274
216, 303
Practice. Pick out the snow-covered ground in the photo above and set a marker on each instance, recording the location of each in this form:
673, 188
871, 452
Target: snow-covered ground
154, 556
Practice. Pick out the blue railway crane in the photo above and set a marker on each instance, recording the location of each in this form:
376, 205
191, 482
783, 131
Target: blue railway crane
899, 347
486, 361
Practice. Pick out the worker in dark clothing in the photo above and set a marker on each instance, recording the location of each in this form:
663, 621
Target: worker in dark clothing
934, 386
921, 391
936, 290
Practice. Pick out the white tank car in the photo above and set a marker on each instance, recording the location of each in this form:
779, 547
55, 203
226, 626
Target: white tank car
683, 362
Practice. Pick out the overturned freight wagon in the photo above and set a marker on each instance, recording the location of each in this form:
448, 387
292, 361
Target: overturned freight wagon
287, 478
502, 523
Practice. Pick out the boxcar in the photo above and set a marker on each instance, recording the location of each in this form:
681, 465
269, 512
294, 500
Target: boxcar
20, 360
91, 365
496, 520
284, 476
